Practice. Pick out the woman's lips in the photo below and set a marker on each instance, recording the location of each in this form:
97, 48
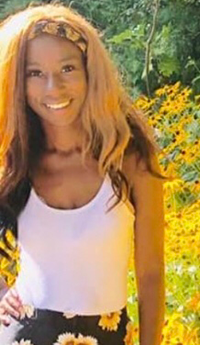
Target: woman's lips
58, 106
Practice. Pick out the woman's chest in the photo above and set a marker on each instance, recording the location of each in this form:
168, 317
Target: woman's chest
67, 187
44, 230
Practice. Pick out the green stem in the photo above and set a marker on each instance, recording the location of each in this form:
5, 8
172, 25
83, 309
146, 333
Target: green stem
148, 46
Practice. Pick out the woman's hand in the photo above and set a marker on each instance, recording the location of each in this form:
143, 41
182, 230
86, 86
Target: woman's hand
10, 305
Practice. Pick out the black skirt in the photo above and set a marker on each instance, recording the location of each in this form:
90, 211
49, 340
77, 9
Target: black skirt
48, 327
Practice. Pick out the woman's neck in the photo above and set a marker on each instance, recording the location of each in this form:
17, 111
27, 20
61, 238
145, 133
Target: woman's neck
65, 139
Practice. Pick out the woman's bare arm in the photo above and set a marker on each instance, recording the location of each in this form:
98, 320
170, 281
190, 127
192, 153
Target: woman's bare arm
149, 249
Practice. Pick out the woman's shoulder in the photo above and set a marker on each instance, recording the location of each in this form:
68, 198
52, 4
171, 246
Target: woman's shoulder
133, 165
141, 181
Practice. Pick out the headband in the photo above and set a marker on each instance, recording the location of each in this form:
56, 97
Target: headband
61, 30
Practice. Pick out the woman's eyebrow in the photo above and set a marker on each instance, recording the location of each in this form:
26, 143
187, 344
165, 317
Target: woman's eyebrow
68, 58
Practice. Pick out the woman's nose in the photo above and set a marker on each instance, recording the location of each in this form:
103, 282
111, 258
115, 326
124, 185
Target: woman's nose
54, 84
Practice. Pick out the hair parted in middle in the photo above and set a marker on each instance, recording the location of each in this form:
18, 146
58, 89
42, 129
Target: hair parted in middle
112, 126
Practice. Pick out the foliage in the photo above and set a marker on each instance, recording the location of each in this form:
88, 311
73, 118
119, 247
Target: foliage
11, 6
125, 26
175, 116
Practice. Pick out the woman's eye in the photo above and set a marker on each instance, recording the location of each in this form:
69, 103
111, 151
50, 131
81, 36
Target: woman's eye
37, 73
34, 73
68, 68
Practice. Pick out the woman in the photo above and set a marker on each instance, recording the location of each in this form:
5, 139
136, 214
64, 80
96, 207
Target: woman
80, 180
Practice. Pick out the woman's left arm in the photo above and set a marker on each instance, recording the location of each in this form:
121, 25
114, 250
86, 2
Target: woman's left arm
149, 250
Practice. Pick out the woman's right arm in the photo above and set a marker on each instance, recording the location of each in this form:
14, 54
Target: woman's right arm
10, 303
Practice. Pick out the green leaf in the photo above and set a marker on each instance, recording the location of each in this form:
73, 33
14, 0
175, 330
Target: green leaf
195, 79
168, 65
190, 62
118, 39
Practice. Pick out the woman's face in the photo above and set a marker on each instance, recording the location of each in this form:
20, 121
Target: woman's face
56, 83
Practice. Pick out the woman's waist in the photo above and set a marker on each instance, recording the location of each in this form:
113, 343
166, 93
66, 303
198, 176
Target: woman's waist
88, 302
31, 312
87, 295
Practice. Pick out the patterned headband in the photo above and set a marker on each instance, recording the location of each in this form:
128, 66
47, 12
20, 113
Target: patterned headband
59, 29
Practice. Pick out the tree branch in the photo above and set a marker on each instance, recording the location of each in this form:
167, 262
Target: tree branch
148, 45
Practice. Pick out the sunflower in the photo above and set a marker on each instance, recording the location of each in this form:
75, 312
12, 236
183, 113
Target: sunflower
68, 315
81, 340
110, 321
26, 311
66, 339
22, 342
130, 333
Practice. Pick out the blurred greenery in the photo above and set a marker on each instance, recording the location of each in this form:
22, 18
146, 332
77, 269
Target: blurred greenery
126, 25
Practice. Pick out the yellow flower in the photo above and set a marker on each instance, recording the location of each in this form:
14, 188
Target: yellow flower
144, 103
88, 340
110, 321
197, 98
167, 107
27, 310
191, 336
175, 333
173, 184
161, 91
11, 238
131, 333
66, 339
4, 263
68, 315
70, 339
186, 92
172, 90
194, 303
23, 342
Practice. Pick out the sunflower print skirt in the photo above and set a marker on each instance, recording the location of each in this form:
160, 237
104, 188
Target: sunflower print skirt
48, 327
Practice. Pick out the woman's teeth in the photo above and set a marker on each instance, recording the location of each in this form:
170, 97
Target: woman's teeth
58, 106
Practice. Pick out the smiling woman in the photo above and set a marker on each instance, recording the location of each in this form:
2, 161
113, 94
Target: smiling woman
55, 90
80, 183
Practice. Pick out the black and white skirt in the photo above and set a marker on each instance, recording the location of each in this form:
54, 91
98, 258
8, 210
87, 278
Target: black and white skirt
48, 327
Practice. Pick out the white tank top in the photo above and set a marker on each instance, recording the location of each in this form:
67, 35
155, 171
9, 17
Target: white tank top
75, 261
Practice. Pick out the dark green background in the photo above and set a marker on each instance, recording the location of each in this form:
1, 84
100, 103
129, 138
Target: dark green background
126, 25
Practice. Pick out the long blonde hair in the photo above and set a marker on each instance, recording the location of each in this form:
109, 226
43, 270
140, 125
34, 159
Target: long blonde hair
113, 127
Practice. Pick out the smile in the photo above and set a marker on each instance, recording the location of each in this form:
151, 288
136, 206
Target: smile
58, 106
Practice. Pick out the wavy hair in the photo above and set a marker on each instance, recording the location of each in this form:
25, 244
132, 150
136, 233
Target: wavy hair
113, 127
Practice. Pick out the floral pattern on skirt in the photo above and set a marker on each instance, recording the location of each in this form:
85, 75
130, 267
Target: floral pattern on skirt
48, 327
